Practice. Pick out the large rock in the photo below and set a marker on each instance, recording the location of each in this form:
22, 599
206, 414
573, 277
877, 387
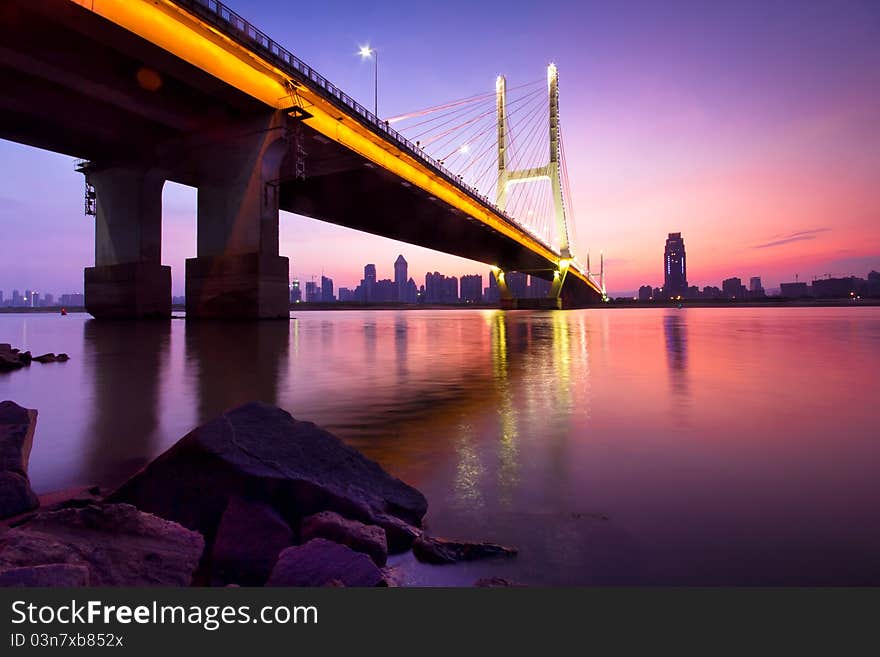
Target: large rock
249, 539
17, 426
443, 551
53, 574
368, 539
321, 563
261, 452
119, 545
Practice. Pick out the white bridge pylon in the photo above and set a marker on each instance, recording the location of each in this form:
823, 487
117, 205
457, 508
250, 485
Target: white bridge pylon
550, 171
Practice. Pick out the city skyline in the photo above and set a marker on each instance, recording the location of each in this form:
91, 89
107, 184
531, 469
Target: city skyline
732, 132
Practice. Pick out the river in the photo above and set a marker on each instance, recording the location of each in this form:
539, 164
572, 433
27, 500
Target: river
612, 446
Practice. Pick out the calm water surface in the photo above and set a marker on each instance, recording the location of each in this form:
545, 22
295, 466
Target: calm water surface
636, 446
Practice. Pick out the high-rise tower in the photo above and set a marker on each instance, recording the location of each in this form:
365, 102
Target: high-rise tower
674, 266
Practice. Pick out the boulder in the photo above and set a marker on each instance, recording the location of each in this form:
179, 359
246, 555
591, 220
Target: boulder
116, 543
62, 357
249, 539
17, 426
45, 358
260, 452
368, 539
442, 551
9, 361
53, 574
321, 563
16, 496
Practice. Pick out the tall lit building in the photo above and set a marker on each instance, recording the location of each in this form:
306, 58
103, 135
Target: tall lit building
674, 266
295, 292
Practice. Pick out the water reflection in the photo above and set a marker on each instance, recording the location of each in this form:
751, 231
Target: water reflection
236, 362
124, 363
603, 443
675, 332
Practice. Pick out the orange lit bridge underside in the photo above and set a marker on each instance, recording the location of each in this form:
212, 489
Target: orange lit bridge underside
174, 29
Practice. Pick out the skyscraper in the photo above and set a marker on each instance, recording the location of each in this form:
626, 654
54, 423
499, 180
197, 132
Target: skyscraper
400, 277
369, 282
327, 289
674, 266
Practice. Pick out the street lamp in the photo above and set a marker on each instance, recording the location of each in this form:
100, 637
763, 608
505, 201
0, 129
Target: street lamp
366, 53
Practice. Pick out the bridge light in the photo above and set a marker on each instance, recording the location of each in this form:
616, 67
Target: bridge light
365, 51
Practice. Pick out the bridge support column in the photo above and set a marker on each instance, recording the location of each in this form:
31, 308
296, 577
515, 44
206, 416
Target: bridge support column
128, 280
238, 272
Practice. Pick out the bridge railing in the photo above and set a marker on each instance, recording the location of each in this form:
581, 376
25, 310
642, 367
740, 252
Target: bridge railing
239, 29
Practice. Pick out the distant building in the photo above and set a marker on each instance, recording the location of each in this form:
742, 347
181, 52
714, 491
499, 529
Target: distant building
657, 293
472, 288
327, 289
433, 287
313, 293
368, 284
711, 292
872, 285
733, 288
400, 278
384, 291
674, 266
538, 288
450, 290
645, 293
16, 299
836, 288
410, 292
73, 300
491, 294
178, 301
346, 294
794, 290
755, 287
28, 300
48, 299
518, 284
295, 292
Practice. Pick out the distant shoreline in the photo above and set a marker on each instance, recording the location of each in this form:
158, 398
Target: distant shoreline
770, 302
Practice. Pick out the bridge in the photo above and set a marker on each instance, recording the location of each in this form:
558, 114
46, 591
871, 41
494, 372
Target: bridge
144, 91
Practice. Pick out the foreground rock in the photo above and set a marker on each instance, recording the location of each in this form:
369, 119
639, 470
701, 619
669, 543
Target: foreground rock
249, 539
54, 574
117, 544
324, 563
17, 426
441, 551
260, 452
368, 539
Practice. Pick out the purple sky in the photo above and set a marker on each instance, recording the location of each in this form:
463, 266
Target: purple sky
751, 127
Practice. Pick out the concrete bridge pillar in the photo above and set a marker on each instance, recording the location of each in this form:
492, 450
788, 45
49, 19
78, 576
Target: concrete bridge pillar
128, 279
238, 272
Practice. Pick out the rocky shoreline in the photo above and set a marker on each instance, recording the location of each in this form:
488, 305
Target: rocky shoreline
14, 359
251, 498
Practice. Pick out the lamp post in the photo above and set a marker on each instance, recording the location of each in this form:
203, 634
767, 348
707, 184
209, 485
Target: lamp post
366, 53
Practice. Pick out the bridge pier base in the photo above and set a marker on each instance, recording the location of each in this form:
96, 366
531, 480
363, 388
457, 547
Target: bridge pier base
245, 286
128, 280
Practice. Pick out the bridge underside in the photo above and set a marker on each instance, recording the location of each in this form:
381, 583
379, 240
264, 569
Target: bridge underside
78, 84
